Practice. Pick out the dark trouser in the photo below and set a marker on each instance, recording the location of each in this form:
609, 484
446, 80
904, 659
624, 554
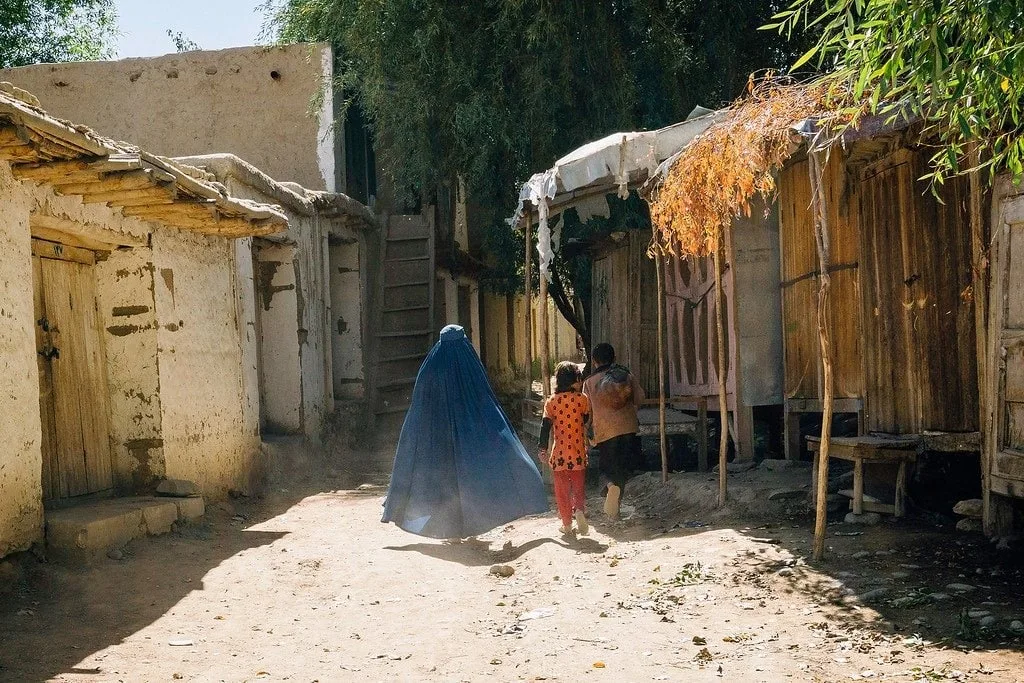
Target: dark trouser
617, 457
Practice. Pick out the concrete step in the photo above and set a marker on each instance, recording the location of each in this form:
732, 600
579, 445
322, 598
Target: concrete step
88, 531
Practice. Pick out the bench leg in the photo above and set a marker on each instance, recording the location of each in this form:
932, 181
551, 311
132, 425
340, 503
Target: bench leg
858, 486
901, 489
814, 480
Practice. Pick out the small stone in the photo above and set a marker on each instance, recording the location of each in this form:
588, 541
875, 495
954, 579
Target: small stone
960, 587
860, 555
873, 595
116, 554
900, 575
866, 519
1017, 626
920, 621
969, 525
987, 622
177, 488
785, 571
969, 508
977, 613
938, 597
502, 570
912, 567
787, 494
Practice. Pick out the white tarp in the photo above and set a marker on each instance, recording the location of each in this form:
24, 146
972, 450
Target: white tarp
616, 162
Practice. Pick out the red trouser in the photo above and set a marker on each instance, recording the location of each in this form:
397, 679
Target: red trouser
569, 493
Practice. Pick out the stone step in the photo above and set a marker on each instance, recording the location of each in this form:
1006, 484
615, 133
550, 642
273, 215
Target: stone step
85, 532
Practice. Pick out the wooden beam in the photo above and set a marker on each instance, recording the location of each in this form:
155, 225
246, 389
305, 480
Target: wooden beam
97, 238
13, 136
821, 233
980, 286
62, 252
47, 173
112, 182
528, 317
723, 406
124, 197
545, 342
663, 439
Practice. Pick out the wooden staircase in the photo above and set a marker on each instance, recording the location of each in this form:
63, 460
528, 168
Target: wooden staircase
405, 332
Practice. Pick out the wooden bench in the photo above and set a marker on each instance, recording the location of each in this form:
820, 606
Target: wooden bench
896, 450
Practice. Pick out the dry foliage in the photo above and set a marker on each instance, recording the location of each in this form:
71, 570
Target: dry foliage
720, 173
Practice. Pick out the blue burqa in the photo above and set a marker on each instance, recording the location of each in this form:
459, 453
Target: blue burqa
460, 469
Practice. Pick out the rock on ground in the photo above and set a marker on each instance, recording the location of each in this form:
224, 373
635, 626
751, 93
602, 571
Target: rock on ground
866, 519
177, 488
969, 508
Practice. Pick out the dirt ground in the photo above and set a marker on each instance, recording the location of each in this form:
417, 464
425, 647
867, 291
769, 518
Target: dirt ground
305, 584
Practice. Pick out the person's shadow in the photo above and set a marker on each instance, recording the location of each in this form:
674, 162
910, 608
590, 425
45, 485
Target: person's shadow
475, 553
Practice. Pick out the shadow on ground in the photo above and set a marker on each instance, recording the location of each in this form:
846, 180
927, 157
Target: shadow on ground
58, 616
904, 581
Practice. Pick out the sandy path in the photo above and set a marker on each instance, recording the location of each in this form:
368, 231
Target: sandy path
316, 589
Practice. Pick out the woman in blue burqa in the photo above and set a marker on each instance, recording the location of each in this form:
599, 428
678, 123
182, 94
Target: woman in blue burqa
460, 469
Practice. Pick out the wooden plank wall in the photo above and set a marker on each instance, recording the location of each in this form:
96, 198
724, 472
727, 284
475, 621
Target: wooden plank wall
691, 340
921, 371
624, 306
901, 258
803, 371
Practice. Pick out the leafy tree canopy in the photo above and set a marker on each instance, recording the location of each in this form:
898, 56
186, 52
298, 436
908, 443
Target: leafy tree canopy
499, 89
957, 64
33, 31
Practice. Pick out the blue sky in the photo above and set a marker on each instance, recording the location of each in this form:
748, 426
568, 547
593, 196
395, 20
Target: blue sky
213, 24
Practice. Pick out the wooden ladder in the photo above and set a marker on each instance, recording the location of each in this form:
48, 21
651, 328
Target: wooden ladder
405, 331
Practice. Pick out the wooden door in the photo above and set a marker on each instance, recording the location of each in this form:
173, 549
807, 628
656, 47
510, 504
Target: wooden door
1005, 442
72, 373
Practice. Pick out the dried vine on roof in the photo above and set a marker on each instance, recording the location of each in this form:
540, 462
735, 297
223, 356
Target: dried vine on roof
718, 176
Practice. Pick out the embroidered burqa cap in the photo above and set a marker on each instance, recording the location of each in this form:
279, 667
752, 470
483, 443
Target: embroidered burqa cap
460, 469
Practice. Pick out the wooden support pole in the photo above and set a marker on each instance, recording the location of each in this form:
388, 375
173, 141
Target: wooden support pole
528, 304
661, 368
545, 346
821, 234
980, 288
723, 405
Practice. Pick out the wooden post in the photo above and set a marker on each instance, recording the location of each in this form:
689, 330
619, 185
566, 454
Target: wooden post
743, 415
528, 317
661, 369
858, 486
702, 435
980, 287
723, 405
545, 346
821, 234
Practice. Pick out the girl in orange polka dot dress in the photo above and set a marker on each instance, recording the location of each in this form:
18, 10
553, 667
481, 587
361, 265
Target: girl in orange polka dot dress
565, 415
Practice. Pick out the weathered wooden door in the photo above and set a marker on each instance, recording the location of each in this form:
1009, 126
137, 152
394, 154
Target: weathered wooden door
72, 373
1005, 386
